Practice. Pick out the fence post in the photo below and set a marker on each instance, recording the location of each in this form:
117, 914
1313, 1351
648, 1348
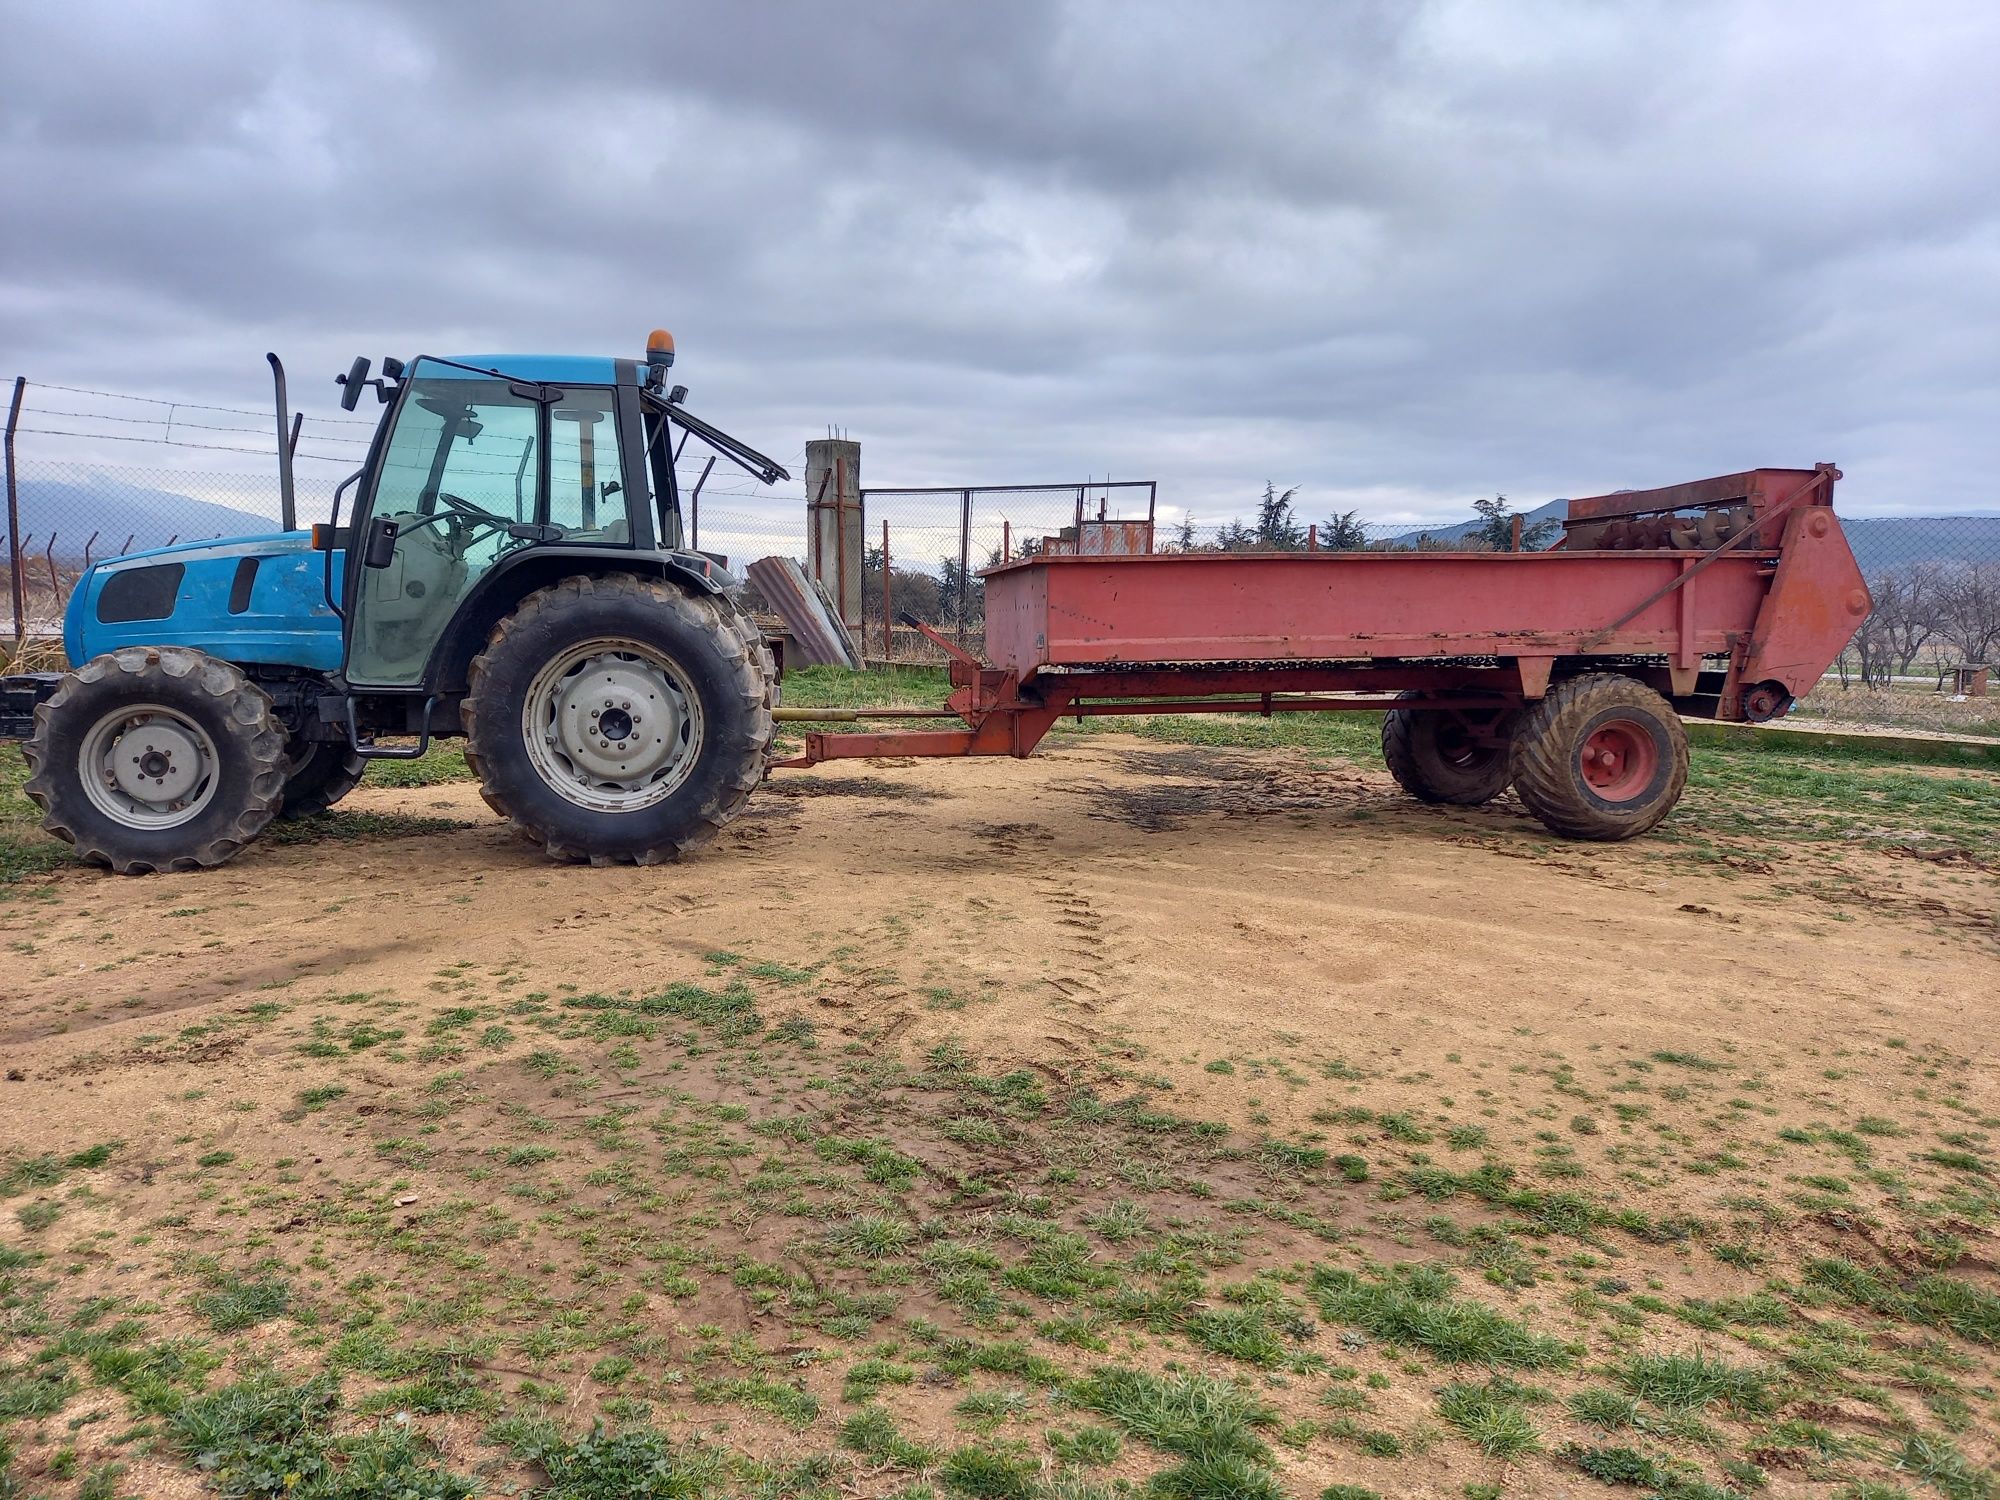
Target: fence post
964, 555
1514, 534
14, 514
888, 612
1312, 538
694, 507
835, 534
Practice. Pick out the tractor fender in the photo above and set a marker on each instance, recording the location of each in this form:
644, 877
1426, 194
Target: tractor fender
513, 578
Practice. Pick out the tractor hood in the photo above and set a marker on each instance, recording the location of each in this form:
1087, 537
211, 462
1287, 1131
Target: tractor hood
257, 599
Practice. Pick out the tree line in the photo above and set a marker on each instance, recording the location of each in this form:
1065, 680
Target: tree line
1938, 614
1279, 527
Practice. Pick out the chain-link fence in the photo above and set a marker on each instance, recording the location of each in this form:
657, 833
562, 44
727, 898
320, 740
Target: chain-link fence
927, 547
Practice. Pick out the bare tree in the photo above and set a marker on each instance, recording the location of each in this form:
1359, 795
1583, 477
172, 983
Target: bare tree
1908, 607
1968, 597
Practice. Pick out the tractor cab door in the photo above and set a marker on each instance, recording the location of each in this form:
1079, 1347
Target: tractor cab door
476, 468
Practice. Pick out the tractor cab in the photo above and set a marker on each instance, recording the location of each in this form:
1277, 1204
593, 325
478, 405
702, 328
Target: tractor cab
485, 464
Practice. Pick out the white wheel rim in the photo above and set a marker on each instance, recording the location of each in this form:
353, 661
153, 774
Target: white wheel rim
148, 766
612, 725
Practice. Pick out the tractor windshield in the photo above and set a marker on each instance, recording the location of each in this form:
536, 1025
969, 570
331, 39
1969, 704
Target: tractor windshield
462, 465
472, 439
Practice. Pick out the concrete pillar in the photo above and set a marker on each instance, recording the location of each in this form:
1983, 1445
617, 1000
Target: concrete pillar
835, 534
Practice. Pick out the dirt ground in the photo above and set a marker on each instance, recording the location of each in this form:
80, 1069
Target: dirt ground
1262, 939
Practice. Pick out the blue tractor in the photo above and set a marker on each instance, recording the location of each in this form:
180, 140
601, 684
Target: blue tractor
513, 571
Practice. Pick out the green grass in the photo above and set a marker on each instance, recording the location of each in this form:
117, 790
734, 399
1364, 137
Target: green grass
874, 1433
267, 1437
880, 687
233, 1303
1936, 1461
611, 1465
1195, 1416
1416, 1306
1493, 1415
1691, 1381
1936, 1300
25, 851
441, 763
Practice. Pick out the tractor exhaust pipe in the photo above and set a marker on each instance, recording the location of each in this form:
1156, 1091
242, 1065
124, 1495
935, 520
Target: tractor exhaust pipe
288, 437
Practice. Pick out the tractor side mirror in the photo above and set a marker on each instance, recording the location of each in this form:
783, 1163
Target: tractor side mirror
352, 382
379, 546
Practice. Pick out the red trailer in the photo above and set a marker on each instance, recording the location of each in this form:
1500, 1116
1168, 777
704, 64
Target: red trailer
1565, 673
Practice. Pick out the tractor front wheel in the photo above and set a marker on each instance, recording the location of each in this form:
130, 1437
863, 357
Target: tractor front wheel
1601, 757
618, 718
1448, 755
318, 773
156, 758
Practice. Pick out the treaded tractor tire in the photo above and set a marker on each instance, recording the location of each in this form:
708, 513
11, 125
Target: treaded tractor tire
725, 675
318, 773
1601, 757
1432, 759
246, 780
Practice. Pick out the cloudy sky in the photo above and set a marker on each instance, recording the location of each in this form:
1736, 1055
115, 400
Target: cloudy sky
1400, 255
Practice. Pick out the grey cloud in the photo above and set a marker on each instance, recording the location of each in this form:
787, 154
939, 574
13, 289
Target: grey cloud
1408, 253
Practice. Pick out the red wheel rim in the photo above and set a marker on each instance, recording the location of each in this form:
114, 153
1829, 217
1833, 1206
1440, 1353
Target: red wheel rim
1618, 760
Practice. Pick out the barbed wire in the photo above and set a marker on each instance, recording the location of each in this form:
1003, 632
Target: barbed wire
240, 411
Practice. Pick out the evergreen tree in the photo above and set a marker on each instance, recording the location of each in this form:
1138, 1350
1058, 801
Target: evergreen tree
1343, 532
1277, 529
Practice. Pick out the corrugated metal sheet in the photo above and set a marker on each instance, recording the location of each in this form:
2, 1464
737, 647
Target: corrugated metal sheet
1094, 538
807, 613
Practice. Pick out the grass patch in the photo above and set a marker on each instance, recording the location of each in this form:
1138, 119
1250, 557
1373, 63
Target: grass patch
1936, 1300
233, 1303
1194, 1416
266, 1437
1493, 1415
1416, 1306
1684, 1382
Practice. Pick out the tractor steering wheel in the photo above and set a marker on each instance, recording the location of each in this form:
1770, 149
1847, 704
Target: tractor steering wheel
462, 522
473, 513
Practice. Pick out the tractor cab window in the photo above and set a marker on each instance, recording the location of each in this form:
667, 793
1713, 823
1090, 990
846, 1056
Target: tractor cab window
586, 473
461, 466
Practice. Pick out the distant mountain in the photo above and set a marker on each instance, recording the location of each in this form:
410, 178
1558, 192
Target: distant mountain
1884, 542
115, 510
1457, 531
1879, 542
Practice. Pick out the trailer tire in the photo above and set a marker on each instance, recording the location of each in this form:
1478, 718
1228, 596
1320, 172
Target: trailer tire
318, 773
210, 733
1435, 759
688, 682
1601, 757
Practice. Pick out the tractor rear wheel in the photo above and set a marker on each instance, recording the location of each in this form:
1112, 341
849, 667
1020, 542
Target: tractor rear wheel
618, 718
318, 773
1442, 755
1601, 757
156, 758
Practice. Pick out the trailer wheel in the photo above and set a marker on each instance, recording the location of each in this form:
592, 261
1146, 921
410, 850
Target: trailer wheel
318, 773
156, 758
1438, 755
617, 718
1601, 757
